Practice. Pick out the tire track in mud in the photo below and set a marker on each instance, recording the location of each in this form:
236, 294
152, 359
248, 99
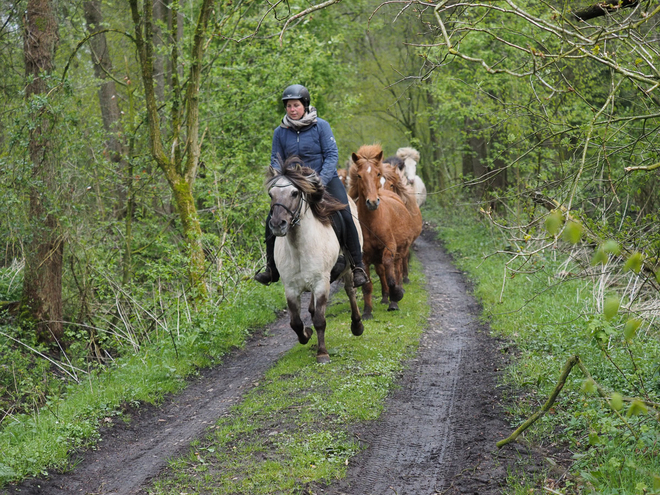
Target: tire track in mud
438, 431
130, 455
436, 435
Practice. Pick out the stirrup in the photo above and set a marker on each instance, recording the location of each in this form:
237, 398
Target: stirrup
264, 277
360, 276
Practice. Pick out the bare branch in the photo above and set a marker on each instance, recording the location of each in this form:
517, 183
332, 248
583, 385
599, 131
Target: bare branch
305, 12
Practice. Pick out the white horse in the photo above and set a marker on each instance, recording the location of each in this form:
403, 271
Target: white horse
307, 248
410, 157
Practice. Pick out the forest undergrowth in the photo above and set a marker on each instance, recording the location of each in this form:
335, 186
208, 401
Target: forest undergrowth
561, 302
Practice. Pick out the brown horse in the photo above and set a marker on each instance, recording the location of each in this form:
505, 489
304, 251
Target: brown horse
393, 181
386, 225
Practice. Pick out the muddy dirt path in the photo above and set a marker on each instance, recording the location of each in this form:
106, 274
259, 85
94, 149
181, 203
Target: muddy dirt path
436, 435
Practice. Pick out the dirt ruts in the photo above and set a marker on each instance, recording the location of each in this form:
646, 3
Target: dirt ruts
437, 434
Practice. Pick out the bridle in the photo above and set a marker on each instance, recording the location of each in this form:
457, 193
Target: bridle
295, 216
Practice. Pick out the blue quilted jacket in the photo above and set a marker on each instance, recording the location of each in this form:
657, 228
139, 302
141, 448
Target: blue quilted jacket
315, 145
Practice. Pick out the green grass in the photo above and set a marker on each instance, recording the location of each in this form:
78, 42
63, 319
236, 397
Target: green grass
33, 444
293, 429
548, 320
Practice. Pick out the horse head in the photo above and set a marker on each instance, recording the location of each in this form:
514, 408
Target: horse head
286, 203
290, 188
366, 173
391, 180
410, 157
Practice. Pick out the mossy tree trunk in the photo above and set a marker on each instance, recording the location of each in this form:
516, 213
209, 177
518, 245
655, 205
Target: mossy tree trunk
42, 286
180, 166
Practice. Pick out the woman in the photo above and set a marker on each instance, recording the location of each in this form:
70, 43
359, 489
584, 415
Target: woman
309, 137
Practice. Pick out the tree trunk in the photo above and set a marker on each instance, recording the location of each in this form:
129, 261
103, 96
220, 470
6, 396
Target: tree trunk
474, 156
161, 19
108, 100
180, 164
185, 202
42, 287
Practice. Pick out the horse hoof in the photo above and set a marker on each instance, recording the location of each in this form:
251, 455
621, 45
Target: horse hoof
393, 306
322, 359
396, 293
385, 300
305, 336
366, 315
357, 328
406, 280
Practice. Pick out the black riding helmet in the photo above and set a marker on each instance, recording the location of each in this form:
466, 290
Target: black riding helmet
297, 92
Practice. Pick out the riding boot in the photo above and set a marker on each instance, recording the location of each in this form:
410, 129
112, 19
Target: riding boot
360, 276
270, 274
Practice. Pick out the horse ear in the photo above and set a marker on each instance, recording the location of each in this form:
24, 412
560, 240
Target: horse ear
379, 156
354, 157
271, 172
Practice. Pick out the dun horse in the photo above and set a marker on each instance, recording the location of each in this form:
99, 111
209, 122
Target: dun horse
386, 225
307, 248
410, 157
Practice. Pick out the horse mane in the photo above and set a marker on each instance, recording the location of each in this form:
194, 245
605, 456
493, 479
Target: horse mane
309, 183
395, 161
404, 153
368, 152
399, 187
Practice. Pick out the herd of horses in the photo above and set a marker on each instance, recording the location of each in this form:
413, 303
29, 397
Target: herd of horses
385, 196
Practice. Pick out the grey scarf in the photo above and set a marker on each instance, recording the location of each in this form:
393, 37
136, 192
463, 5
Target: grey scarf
306, 120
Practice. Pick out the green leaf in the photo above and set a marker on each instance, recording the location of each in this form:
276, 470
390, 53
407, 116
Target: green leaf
634, 263
6, 472
611, 247
572, 232
616, 401
600, 257
636, 408
553, 222
630, 328
594, 439
656, 482
611, 307
588, 386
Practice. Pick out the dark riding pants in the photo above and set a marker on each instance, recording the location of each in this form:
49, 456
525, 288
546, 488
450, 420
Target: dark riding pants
336, 189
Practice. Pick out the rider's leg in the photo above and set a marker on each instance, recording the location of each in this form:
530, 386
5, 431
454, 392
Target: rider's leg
351, 238
270, 274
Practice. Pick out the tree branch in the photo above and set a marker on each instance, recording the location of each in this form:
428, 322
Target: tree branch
314, 8
603, 8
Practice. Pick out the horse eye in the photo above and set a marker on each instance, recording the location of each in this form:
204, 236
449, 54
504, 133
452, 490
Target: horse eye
294, 194
359, 176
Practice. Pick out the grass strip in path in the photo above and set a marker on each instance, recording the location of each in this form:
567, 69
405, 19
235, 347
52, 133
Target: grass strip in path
293, 428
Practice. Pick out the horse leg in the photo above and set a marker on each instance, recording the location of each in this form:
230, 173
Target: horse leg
356, 319
367, 291
394, 306
311, 307
318, 319
396, 291
384, 289
406, 263
303, 333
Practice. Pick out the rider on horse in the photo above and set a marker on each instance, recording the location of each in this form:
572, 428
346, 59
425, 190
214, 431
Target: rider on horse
309, 137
